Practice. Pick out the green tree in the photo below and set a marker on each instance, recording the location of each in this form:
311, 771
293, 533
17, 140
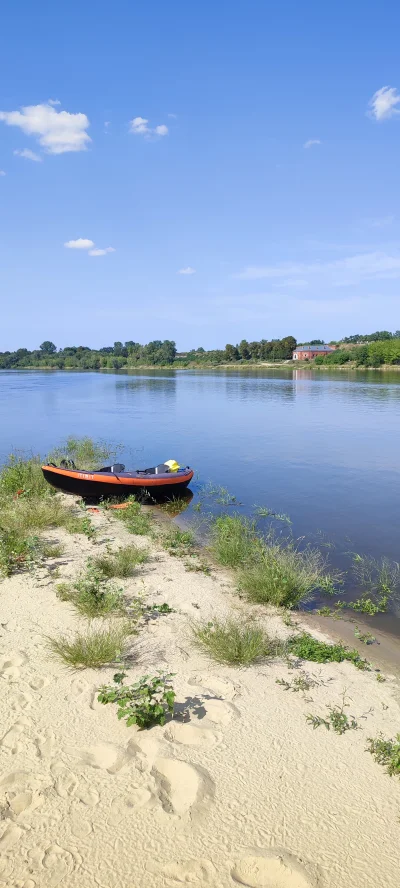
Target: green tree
231, 352
244, 350
48, 348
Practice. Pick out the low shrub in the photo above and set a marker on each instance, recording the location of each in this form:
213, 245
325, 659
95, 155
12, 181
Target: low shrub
305, 647
17, 552
93, 648
235, 642
84, 452
144, 703
23, 477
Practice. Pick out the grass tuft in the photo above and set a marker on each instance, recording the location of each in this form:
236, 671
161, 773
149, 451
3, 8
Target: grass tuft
234, 541
91, 649
284, 575
236, 643
121, 563
178, 542
136, 521
23, 477
84, 452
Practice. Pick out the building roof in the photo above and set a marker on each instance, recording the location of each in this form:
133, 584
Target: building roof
316, 348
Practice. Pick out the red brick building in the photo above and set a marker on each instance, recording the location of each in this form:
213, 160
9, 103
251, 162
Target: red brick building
307, 352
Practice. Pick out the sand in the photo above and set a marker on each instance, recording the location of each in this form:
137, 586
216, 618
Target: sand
241, 792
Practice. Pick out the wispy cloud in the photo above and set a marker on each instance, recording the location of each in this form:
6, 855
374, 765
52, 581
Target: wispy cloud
82, 243
101, 252
312, 142
174, 116
341, 272
53, 102
139, 127
383, 104
2, 173
56, 131
29, 155
187, 270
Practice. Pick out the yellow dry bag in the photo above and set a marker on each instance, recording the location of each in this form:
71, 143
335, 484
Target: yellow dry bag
172, 465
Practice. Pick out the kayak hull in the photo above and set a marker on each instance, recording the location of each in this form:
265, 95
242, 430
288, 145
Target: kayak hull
107, 484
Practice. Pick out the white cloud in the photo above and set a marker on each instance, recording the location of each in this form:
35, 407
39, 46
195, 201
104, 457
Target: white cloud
54, 102
106, 125
174, 116
2, 173
139, 127
98, 252
57, 131
187, 270
339, 273
81, 243
311, 142
30, 155
383, 103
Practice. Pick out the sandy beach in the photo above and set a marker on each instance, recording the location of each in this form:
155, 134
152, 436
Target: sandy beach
237, 789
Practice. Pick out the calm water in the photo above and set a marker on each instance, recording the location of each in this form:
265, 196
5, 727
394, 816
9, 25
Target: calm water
324, 448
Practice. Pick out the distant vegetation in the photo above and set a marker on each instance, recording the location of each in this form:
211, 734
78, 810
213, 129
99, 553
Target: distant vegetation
131, 354
372, 354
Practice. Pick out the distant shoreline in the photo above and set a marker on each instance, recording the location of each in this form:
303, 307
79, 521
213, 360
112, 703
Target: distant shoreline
276, 365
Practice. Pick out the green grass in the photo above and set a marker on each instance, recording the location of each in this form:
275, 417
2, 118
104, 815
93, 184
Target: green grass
122, 563
17, 552
386, 753
235, 642
178, 542
234, 541
91, 649
91, 594
305, 647
24, 475
283, 575
135, 519
85, 453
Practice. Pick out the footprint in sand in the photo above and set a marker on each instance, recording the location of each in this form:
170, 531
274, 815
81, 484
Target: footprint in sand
79, 686
192, 872
66, 783
24, 803
181, 786
22, 701
189, 735
122, 806
10, 666
56, 863
87, 795
46, 744
221, 687
105, 756
271, 871
37, 682
10, 837
11, 740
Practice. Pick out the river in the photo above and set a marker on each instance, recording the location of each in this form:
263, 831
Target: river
322, 447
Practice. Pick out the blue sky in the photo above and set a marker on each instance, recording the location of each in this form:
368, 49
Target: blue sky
182, 146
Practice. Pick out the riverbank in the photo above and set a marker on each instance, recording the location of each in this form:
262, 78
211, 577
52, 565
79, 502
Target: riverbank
236, 789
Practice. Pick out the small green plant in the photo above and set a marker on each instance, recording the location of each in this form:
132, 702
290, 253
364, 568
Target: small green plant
380, 677
337, 719
302, 682
197, 565
305, 647
265, 512
386, 753
324, 611
365, 637
219, 494
178, 542
159, 608
366, 605
135, 519
121, 563
235, 643
91, 593
52, 550
93, 648
144, 703
175, 506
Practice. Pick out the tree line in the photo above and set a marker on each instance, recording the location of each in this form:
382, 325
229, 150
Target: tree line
372, 354
132, 354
